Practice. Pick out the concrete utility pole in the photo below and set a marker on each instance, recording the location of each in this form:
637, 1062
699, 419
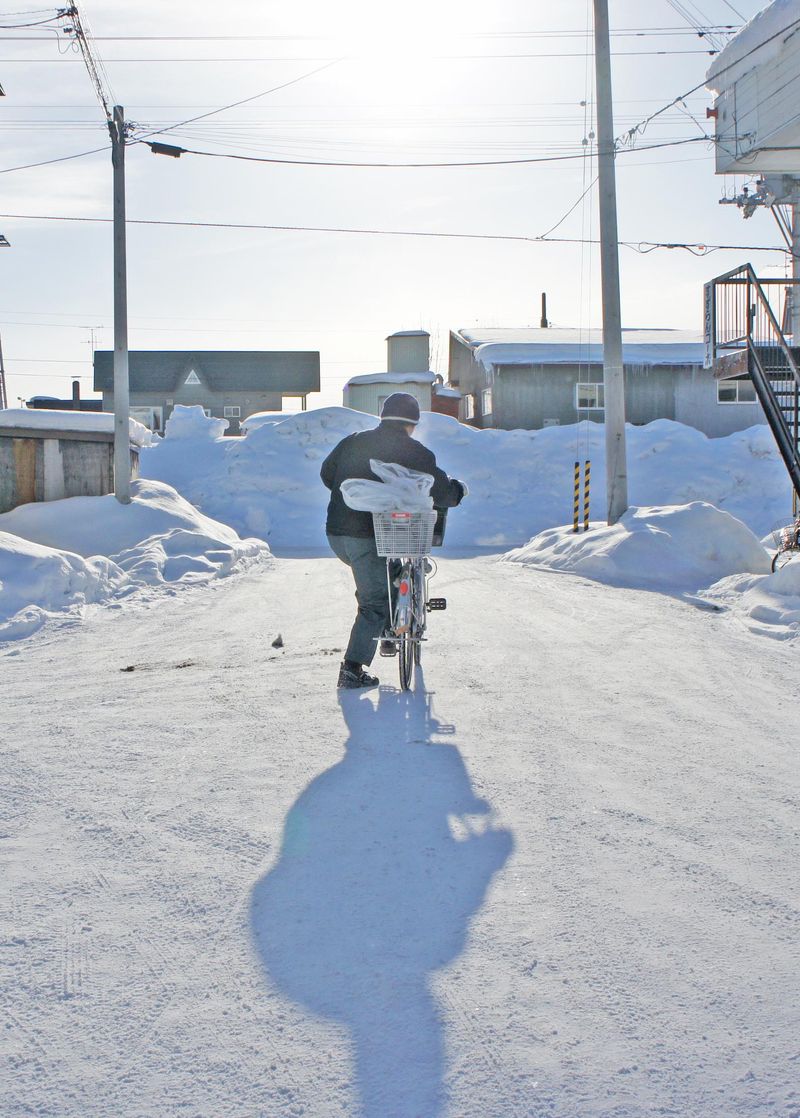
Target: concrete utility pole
122, 451
613, 376
796, 264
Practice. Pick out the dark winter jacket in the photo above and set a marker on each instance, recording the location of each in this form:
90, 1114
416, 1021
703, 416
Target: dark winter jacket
388, 442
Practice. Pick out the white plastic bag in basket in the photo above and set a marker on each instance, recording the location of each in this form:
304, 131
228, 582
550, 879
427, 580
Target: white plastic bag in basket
399, 488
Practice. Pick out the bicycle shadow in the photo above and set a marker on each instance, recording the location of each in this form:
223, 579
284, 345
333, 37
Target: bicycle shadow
386, 857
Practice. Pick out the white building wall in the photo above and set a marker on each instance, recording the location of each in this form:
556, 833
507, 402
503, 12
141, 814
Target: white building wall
369, 397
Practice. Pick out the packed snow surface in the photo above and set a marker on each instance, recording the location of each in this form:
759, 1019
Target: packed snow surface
56, 557
558, 879
520, 482
41, 419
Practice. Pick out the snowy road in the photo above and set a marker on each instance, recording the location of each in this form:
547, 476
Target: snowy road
562, 882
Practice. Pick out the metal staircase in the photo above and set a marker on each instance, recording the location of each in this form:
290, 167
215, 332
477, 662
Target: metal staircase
744, 340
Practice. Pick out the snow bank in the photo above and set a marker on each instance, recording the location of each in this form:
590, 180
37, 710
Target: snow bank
78, 421
520, 482
768, 605
193, 423
37, 581
58, 556
674, 548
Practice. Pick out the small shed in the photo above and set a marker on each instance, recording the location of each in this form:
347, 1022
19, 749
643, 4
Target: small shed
48, 455
408, 361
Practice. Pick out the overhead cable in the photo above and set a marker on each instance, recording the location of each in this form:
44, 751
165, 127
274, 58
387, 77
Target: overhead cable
699, 249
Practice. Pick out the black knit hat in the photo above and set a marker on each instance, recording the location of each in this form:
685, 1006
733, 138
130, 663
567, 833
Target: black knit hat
402, 406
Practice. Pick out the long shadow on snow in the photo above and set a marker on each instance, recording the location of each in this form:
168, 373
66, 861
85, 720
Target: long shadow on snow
386, 856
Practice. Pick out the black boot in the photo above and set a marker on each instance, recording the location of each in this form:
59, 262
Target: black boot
352, 675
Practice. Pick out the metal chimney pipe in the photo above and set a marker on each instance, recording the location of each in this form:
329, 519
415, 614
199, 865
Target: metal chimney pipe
76, 395
543, 322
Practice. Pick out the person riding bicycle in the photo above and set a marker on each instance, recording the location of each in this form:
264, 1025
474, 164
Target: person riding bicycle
351, 533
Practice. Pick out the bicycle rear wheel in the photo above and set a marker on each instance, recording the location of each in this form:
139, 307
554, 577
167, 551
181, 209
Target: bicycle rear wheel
406, 659
418, 598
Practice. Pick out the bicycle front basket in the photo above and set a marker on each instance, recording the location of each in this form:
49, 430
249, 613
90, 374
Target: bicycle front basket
400, 533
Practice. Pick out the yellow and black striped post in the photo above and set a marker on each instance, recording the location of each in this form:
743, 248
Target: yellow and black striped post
576, 500
587, 474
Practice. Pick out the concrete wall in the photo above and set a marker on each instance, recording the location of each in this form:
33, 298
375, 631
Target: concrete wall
49, 469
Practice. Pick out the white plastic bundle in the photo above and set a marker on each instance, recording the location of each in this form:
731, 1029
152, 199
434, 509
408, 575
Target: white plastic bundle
399, 488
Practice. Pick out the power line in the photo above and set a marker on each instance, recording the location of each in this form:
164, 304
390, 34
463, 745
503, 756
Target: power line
465, 163
354, 58
638, 246
244, 101
46, 162
643, 32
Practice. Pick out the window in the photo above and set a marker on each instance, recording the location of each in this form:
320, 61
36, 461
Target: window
486, 401
736, 392
207, 411
589, 396
230, 411
469, 407
192, 378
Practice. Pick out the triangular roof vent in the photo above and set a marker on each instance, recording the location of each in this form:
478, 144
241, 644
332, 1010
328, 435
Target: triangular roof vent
192, 378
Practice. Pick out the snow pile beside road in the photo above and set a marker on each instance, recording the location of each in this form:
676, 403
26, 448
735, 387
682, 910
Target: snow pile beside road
37, 581
58, 556
674, 548
520, 482
768, 605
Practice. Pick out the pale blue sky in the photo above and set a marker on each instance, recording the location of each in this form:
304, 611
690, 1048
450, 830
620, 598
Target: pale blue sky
435, 82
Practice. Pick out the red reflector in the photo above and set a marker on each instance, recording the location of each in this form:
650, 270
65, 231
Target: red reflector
404, 587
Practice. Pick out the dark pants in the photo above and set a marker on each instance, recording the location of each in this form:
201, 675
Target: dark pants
372, 594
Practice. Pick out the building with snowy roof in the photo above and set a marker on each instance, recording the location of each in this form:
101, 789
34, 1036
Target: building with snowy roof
532, 378
756, 107
408, 370
226, 384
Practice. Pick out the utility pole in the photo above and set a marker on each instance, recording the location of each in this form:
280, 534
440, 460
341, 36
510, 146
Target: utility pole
613, 375
116, 128
796, 264
3, 396
122, 450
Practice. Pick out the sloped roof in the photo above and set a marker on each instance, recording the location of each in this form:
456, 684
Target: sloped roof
163, 370
393, 378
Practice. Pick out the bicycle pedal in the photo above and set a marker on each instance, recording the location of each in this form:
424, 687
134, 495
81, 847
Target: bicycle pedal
437, 603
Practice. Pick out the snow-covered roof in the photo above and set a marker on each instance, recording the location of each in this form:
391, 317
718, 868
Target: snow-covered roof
393, 378
409, 334
759, 40
78, 421
440, 390
561, 346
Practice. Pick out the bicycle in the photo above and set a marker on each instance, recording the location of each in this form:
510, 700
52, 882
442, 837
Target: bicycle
405, 539
786, 535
